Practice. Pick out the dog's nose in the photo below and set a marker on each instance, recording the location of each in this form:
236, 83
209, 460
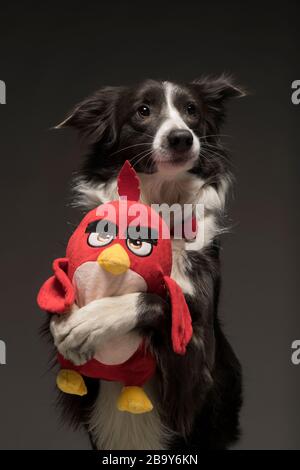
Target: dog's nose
180, 139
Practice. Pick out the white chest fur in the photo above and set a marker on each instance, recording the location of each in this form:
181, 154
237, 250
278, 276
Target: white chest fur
115, 430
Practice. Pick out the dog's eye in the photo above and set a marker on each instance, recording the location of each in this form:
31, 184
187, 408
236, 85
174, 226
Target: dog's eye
191, 109
144, 110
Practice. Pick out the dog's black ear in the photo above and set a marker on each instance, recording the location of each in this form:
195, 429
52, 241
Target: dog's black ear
219, 89
95, 117
214, 92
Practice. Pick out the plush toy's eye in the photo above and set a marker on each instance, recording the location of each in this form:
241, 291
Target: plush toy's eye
101, 232
139, 247
99, 239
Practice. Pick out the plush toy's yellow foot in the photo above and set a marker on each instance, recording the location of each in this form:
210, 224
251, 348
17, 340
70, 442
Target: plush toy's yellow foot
134, 400
70, 381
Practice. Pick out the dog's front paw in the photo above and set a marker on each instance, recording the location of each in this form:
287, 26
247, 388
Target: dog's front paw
68, 336
75, 343
78, 334
77, 357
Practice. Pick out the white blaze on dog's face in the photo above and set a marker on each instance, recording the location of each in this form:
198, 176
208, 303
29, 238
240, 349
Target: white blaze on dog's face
176, 147
161, 133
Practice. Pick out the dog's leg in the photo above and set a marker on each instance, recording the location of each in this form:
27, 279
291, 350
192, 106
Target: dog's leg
78, 334
216, 425
202, 390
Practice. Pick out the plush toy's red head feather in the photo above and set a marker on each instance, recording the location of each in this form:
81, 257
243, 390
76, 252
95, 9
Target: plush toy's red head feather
128, 183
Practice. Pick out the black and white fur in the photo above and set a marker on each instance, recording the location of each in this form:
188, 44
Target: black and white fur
196, 397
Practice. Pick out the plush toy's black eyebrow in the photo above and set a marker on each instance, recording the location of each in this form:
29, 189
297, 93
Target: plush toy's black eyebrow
102, 226
146, 234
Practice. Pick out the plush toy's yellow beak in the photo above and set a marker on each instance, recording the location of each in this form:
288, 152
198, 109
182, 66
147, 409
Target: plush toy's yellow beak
114, 259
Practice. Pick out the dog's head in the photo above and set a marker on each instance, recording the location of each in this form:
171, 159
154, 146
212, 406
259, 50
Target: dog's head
158, 126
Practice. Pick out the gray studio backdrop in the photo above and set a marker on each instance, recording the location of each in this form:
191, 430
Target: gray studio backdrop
54, 54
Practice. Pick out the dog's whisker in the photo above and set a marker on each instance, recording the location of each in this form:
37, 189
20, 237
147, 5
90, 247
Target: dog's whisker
211, 152
149, 165
137, 160
201, 154
214, 135
142, 157
139, 154
144, 133
216, 147
130, 146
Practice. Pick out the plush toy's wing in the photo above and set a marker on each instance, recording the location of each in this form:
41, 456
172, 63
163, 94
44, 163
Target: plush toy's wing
182, 329
57, 294
128, 183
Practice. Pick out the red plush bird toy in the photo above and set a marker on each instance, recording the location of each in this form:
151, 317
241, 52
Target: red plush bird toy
121, 247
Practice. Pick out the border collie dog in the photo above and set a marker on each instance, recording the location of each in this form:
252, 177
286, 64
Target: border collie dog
171, 135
